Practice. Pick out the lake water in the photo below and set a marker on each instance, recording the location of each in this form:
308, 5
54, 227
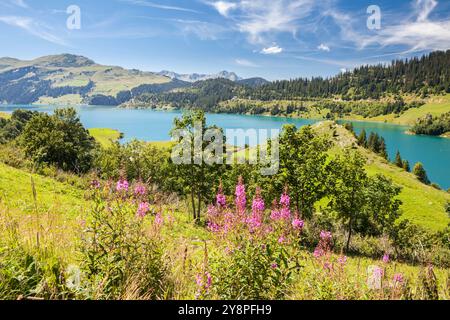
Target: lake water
150, 125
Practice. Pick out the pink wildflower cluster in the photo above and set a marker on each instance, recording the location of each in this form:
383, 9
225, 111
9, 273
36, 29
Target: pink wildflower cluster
222, 220
398, 278
324, 246
204, 283
140, 190
256, 219
158, 220
283, 211
386, 258
221, 200
298, 224
122, 185
95, 184
143, 209
241, 198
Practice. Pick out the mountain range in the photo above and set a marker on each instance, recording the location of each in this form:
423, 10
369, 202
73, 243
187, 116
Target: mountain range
73, 79
194, 77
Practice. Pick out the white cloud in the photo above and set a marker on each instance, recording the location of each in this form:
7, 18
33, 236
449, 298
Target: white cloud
158, 6
424, 7
32, 27
224, 7
203, 30
246, 63
324, 47
20, 3
343, 70
415, 33
272, 50
261, 20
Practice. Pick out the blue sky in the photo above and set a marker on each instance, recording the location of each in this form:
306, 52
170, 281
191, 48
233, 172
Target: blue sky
274, 39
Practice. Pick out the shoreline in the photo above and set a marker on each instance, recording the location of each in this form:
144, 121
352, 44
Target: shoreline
169, 109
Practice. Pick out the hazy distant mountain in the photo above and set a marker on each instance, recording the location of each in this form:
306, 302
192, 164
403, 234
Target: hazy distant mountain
194, 77
253, 82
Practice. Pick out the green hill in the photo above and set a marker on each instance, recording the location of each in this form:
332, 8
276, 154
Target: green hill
50, 79
422, 204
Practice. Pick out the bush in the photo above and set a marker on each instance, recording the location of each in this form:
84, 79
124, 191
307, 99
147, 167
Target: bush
254, 270
122, 253
59, 139
27, 274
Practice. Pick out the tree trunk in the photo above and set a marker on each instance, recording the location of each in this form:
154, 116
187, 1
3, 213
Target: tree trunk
199, 208
194, 212
349, 235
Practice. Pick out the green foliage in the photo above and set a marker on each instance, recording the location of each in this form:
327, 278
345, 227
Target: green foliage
420, 173
195, 178
119, 253
136, 160
11, 128
434, 126
362, 139
406, 166
28, 273
303, 161
398, 160
256, 270
59, 139
350, 181
418, 75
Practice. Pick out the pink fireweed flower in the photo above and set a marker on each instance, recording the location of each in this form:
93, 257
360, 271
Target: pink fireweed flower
285, 213
328, 266
378, 272
274, 265
258, 205
159, 219
241, 199
143, 209
254, 222
95, 184
122, 185
281, 240
298, 224
140, 190
275, 215
342, 260
285, 200
318, 253
325, 235
221, 200
204, 283
386, 258
398, 278
213, 227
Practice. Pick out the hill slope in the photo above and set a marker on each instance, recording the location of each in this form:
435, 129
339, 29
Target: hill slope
422, 204
52, 77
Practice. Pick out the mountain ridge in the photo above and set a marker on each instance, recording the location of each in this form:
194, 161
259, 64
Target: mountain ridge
194, 77
75, 79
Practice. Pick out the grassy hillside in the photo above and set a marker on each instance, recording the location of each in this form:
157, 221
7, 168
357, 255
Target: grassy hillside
422, 204
67, 79
60, 212
68, 99
5, 115
105, 136
435, 106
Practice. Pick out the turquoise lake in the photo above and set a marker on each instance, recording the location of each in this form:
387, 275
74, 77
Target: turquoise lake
150, 125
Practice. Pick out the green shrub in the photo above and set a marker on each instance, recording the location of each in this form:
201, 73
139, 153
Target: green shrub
254, 270
121, 258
